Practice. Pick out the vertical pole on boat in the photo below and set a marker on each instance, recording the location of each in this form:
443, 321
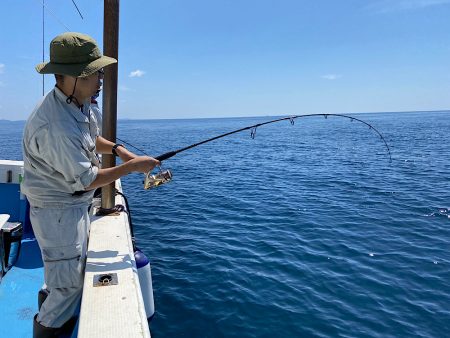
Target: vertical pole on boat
110, 48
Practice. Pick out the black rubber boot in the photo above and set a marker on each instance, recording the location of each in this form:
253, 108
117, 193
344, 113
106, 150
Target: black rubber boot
67, 329
41, 331
42, 296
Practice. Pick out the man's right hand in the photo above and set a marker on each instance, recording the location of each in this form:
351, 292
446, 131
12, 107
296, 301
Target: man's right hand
144, 164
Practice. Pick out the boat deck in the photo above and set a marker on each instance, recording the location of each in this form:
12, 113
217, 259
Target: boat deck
18, 292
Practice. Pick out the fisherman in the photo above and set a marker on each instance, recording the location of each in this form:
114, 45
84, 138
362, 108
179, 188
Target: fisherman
62, 171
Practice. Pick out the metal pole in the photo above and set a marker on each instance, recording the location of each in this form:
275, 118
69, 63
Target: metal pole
110, 48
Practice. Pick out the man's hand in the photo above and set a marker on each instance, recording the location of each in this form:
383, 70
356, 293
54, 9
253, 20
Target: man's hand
144, 164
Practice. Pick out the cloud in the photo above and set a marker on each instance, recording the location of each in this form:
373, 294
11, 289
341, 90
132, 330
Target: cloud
331, 76
387, 6
2, 67
137, 73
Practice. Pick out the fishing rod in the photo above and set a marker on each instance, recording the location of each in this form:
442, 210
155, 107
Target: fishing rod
166, 175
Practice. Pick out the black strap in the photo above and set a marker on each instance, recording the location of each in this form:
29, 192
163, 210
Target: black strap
117, 145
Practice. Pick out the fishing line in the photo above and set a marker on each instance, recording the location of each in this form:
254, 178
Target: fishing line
165, 176
54, 15
129, 144
77, 9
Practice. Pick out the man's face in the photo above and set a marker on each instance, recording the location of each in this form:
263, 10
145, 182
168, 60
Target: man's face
89, 85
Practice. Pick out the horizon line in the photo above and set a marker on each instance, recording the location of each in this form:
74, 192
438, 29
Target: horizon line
252, 116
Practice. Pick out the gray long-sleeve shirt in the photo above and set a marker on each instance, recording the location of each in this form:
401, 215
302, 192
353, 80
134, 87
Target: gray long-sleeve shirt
59, 153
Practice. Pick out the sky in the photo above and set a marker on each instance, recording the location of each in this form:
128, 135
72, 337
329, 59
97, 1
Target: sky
228, 58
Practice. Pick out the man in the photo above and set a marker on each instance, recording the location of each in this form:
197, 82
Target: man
62, 171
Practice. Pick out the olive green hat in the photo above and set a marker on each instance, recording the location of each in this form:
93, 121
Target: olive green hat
74, 54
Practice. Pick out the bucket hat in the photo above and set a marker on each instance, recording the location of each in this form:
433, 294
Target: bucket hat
74, 54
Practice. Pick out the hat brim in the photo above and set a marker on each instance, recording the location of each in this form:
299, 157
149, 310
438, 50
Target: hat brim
75, 69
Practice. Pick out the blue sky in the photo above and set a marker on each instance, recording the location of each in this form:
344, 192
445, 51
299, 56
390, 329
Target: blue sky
217, 58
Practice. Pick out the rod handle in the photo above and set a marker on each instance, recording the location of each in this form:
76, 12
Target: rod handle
166, 156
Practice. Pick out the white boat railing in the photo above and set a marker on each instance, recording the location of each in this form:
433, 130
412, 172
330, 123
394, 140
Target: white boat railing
112, 303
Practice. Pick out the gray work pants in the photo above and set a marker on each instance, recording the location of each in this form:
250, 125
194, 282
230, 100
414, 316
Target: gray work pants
62, 236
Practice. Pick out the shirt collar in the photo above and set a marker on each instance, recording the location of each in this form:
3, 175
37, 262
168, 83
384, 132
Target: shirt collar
76, 112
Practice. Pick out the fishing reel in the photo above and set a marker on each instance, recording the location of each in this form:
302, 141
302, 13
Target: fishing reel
155, 180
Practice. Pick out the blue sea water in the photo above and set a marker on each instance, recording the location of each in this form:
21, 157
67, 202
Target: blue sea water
306, 231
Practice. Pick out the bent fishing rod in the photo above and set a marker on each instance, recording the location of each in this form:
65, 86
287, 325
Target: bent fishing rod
166, 175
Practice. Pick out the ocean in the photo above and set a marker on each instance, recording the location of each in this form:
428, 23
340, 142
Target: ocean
305, 231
